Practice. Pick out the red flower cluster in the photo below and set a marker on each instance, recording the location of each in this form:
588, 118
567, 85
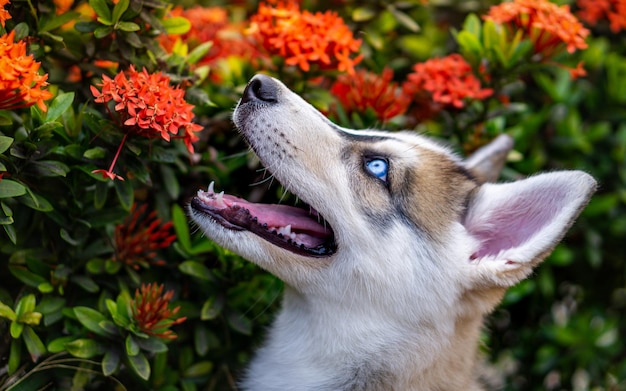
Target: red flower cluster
21, 85
594, 11
449, 80
303, 38
147, 106
211, 24
138, 238
549, 26
150, 311
365, 90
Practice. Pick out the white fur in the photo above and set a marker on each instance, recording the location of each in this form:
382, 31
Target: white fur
399, 306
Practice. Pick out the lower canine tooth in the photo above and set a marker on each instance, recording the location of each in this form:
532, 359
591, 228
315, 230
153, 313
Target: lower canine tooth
211, 187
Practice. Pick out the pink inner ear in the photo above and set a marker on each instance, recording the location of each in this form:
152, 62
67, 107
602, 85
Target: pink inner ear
510, 225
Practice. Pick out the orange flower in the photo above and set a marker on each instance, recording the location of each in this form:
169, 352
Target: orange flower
4, 14
62, 6
211, 24
448, 80
549, 26
365, 90
151, 313
594, 11
139, 236
147, 106
20, 82
303, 38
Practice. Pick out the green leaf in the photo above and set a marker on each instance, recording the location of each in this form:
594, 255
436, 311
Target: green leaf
86, 283
199, 52
50, 168
176, 25
57, 345
30, 318
181, 227
102, 10
9, 188
56, 21
119, 10
102, 32
50, 304
128, 26
7, 312
239, 322
198, 369
110, 362
16, 329
5, 143
84, 348
91, 319
59, 105
363, 13
140, 365
170, 180
100, 194
212, 308
95, 153
26, 276
404, 19
10, 231
152, 345
36, 202
125, 193
15, 356
35, 347
132, 348
25, 304
196, 269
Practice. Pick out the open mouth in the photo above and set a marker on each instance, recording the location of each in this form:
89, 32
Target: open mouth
298, 230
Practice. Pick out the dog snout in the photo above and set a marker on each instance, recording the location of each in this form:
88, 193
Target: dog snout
261, 88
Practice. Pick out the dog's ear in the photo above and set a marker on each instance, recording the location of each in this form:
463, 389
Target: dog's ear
517, 224
487, 162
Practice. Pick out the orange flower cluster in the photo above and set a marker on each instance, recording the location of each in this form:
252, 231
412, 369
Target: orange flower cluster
594, 11
150, 311
211, 24
449, 80
138, 238
148, 106
303, 38
366, 90
21, 85
547, 25
4, 14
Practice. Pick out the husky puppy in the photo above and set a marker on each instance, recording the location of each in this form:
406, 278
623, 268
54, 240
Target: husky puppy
403, 250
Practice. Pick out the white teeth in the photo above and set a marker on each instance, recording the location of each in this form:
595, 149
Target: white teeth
211, 187
219, 198
286, 231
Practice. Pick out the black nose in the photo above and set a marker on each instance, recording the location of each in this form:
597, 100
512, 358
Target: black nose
261, 88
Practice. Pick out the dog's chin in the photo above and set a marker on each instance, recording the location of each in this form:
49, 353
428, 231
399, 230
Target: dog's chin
298, 230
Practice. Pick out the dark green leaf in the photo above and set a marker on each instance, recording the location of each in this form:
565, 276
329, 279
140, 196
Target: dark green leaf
36, 202
15, 355
10, 188
196, 269
199, 52
140, 365
35, 347
85, 282
110, 362
152, 345
26, 276
239, 322
181, 227
125, 193
102, 32
5, 143
57, 21
132, 348
171, 181
50, 168
198, 369
212, 308
91, 319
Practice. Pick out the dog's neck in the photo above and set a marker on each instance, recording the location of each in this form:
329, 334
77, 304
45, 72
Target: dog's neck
345, 349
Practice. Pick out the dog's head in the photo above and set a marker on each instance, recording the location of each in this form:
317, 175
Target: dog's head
385, 211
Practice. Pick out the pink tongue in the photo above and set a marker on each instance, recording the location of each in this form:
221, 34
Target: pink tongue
281, 215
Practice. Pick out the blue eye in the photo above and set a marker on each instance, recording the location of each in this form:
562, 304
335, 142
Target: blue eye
378, 168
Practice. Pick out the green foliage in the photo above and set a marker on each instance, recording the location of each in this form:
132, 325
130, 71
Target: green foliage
68, 292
